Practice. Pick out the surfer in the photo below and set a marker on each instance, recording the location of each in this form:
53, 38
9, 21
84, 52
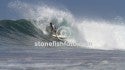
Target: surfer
53, 28
54, 32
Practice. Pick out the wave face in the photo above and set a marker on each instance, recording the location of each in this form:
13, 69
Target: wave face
102, 34
17, 32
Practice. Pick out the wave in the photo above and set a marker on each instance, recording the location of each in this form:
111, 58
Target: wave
96, 34
15, 32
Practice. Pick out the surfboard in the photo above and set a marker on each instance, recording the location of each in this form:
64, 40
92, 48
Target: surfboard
59, 36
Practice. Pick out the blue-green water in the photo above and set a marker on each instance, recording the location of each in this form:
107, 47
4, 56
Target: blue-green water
103, 41
18, 52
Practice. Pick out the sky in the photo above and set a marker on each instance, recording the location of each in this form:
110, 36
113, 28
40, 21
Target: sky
89, 8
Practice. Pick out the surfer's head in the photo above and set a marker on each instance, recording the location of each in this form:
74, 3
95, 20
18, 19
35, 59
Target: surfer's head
50, 23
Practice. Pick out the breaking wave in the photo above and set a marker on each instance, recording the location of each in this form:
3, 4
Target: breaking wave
96, 34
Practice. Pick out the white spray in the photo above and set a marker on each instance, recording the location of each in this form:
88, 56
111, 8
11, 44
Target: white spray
101, 34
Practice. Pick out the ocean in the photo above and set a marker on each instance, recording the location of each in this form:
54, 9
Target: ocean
97, 44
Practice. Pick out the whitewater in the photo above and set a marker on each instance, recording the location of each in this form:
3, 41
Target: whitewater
101, 33
102, 40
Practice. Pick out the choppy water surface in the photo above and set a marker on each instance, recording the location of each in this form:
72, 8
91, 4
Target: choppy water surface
61, 59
